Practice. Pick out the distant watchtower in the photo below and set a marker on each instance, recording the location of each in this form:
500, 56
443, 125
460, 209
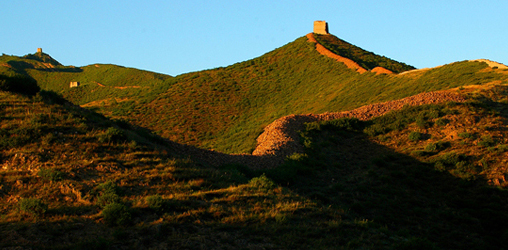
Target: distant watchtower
321, 27
39, 50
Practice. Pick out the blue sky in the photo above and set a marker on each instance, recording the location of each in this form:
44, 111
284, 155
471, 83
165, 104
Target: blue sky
175, 37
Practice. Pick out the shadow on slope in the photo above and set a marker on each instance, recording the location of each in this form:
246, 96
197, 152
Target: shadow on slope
407, 200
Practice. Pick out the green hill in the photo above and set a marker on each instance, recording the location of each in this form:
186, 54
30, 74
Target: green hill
226, 108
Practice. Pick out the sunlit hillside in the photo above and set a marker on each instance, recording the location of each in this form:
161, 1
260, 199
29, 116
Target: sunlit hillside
226, 108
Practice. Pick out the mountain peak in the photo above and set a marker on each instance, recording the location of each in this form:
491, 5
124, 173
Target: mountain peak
42, 57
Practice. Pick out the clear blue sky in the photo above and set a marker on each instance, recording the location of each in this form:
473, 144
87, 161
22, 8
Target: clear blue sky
176, 36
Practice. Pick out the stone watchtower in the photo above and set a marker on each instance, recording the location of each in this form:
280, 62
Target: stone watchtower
321, 27
39, 50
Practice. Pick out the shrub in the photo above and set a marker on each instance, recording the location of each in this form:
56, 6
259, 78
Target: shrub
437, 146
32, 206
486, 141
107, 187
352, 124
376, 129
442, 122
415, 136
116, 214
465, 135
262, 182
503, 148
297, 157
112, 134
465, 170
109, 194
421, 122
448, 160
48, 139
155, 202
434, 113
107, 198
50, 174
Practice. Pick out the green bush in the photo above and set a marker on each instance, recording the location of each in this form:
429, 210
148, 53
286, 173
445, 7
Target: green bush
108, 194
415, 136
486, 141
107, 187
376, 129
116, 214
262, 182
437, 146
421, 122
107, 198
50, 174
351, 124
297, 157
32, 206
442, 122
448, 161
466, 135
155, 202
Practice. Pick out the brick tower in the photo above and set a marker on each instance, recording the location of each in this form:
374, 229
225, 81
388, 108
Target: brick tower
321, 27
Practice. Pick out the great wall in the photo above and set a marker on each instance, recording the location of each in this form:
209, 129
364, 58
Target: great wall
321, 27
280, 139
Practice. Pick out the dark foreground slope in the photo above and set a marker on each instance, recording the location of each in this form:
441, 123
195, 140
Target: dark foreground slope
71, 179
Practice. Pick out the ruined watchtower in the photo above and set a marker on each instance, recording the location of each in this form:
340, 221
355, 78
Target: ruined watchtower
74, 84
321, 27
39, 50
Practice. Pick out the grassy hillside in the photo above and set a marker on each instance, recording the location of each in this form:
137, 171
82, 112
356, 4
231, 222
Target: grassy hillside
412, 179
226, 108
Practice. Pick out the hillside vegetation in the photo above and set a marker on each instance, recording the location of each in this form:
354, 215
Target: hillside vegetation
414, 178
117, 163
225, 109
